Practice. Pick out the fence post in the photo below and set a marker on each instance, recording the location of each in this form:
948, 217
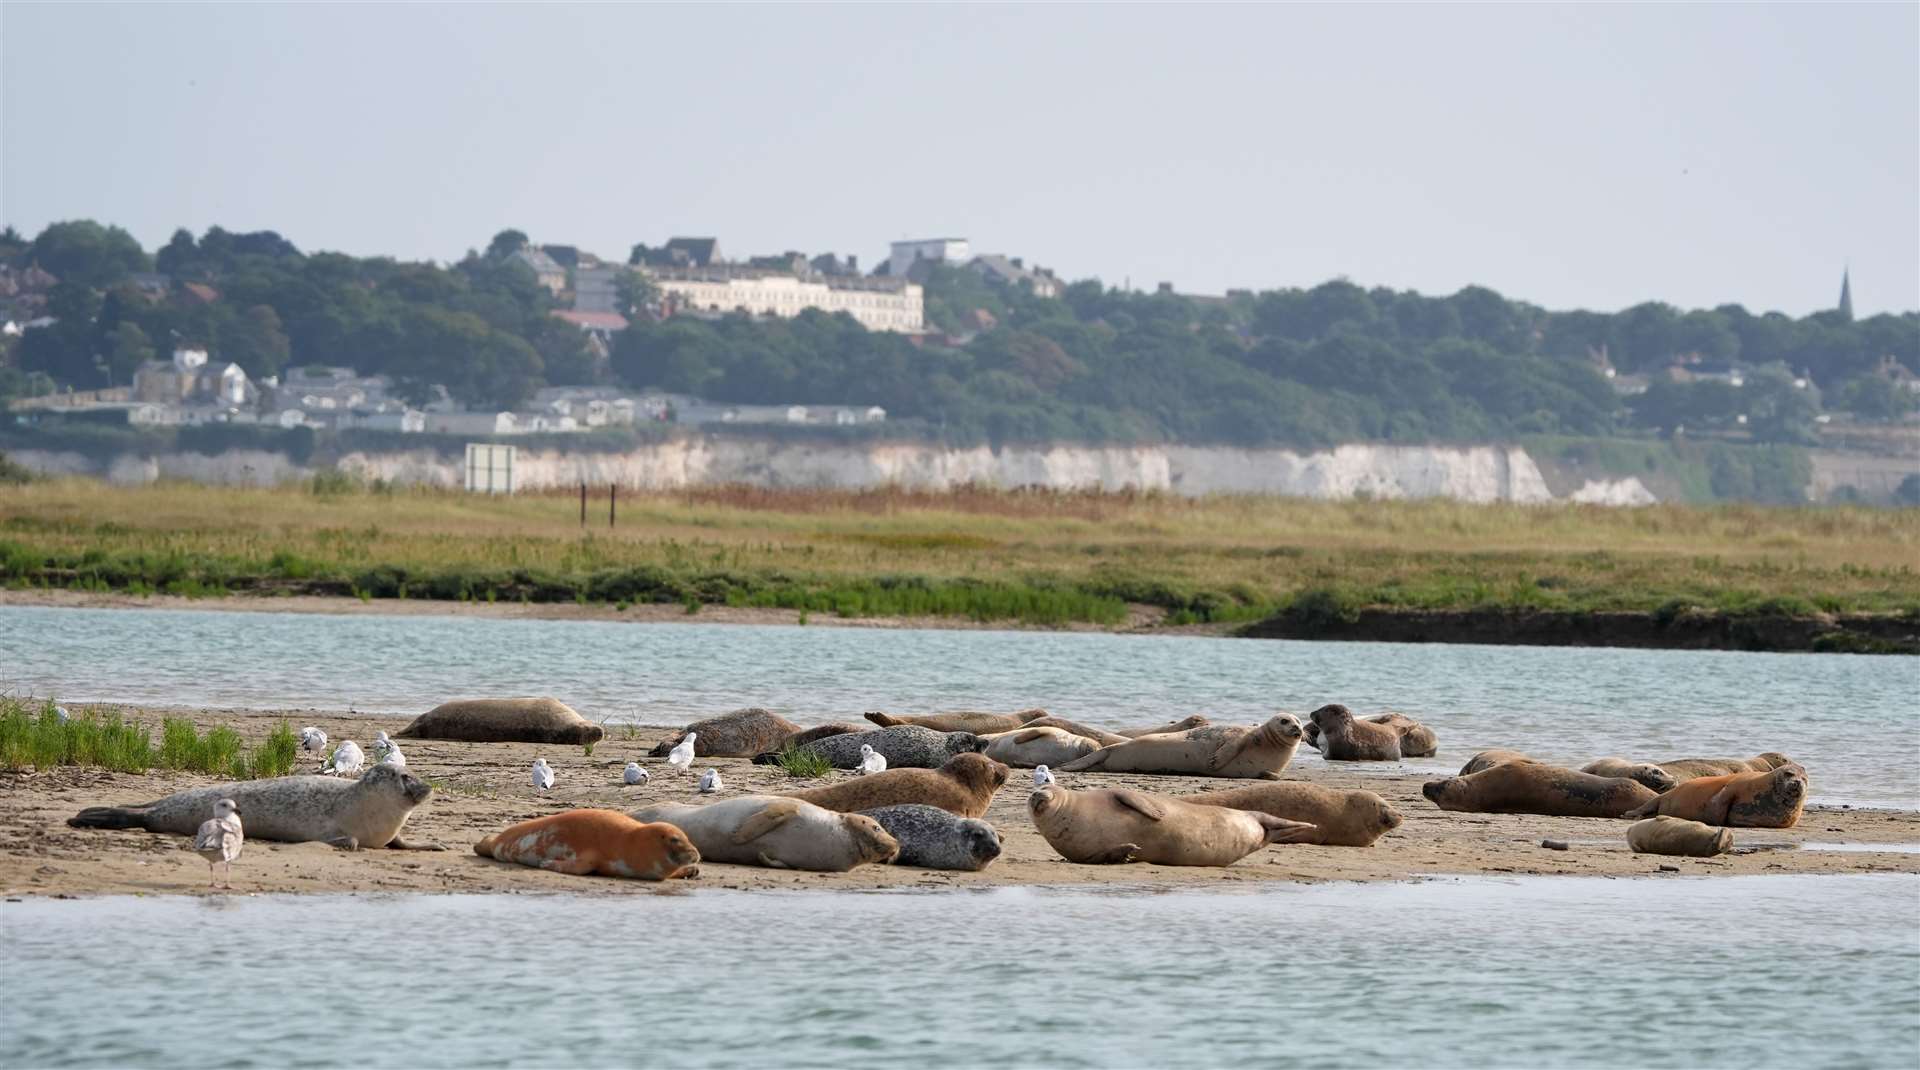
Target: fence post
583, 503
613, 493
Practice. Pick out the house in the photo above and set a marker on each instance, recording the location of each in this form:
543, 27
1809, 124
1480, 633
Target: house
597, 288
189, 376
693, 252
545, 269
604, 324
874, 415
200, 292
1012, 271
472, 423
877, 303
904, 254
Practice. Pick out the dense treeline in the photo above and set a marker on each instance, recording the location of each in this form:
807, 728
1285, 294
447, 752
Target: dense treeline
1332, 363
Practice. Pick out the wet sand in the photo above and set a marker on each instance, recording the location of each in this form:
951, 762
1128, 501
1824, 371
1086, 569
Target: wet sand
483, 787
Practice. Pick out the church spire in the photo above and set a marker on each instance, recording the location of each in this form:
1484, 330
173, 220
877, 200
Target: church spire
1846, 295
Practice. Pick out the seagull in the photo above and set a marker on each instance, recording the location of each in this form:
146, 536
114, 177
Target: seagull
1042, 776
347, 758
60, 714
387, 752
710, 782
634, 774
312, 740
871, 761
681, 757
219, 839
542, 774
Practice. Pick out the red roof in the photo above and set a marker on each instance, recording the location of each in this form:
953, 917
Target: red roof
605, 321
206, 294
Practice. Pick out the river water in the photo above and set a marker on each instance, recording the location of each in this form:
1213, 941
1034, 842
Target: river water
1853, 721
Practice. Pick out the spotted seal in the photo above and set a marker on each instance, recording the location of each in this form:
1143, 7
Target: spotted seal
349, 814
932, 838
904, 746
740, 734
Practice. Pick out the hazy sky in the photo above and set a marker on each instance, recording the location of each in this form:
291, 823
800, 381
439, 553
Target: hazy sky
1571, 156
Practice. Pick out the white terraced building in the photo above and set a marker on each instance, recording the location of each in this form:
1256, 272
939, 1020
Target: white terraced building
878, 303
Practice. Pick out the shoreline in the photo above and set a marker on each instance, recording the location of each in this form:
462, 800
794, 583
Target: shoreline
481, 788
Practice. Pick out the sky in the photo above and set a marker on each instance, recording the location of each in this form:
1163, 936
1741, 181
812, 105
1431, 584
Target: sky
1576, 157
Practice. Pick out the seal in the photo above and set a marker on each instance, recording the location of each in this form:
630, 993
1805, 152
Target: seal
831, 728
964, 786
1217, 750
1769, 800
349, 814
503, 720
1030, 746
1676, 836
1645, 772
1685, 769
768, 830
1416, 739
603, 843
1340, 818
1098, 735
979, 724
740, 734
1113, 825
1344, 738
1487, 759
1533, 788
904, 746
932, 838
1183, 724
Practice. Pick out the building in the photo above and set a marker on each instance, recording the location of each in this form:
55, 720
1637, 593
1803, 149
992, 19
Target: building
1846, 295
681, 253
1012, 271
190, 377
877, 303
604, 324
905, 253
597, 288
545, 268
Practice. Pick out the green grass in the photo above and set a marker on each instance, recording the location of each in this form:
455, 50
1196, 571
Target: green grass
275, 756
32, 736
803, 763
183, 748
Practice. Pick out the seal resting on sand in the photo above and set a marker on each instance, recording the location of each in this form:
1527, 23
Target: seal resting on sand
1217, 750
932, 838
768, 830
1769, 800
1685, 769
823, 731
1342, 737
1340, 818
904, 746
1645, 772
603, 843
1099, 735
1024, 748
1416, 739
740, 734
349, 814
980, 724
1487, 759
503, 720
964, 786
1678, 836
1183, 724
1532, 788
1113, 825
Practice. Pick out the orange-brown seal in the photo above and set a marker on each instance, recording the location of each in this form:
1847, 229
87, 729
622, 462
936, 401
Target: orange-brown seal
1678, 836
964, 786
603, 842
980, 724
1769, 800
1343, 818
1532, 788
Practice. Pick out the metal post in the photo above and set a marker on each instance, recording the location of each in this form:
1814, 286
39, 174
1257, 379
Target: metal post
613, 493
583, 503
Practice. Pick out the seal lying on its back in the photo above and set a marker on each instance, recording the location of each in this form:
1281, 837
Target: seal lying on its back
1113, 825
740, 734
1341, 818
349, 814
1678, 836
503, 720
1217, 750
605, 843
964, 786
979, 724
932, 838
1024, 748
1770, 800
768, 830
904, 746
1532, 788
1645, 772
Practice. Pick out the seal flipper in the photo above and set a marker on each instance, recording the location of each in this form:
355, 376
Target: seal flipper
1280, 830
398, 844
883, 720
770, 817
1718, 809
1228, 750
1028, 735
1140, 802
1093, 760
110, 817
1117, 856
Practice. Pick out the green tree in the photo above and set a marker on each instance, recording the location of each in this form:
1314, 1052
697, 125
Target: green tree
1871, 397
256, 341
506, 243
87, 254
128, 347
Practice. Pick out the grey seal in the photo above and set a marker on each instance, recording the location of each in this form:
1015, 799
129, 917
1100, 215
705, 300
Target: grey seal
906, 746
740, 734
932, 838
503, 720
350, 814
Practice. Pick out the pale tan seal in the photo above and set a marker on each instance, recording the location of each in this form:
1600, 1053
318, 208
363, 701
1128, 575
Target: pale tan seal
1645, 772
739, 734
1115, 825
964, 786
768, 830
980, 724
1217, 750
1685, 769
349, 814
1678, 836
1098, 735
1487, 759
1183, 724
1533, 788
602, 843
1340, 818
1027, 747
1771, 799
503, 720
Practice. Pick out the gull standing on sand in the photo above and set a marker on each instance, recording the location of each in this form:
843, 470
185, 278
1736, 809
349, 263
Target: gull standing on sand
387, 752
542, 774
634, 774
219, 839
347, 758
871, 761
1042, 776
710, 782
681, 757
312, 740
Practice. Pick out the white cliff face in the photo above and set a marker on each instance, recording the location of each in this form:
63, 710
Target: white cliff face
1628, 491
1468, 473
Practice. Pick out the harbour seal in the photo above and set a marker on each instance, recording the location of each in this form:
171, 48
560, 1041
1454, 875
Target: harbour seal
349, 814
1645, 772
964, 786
1186, 723
932, 838
740, 734
1216, 750
832, 728
503, 720
603, 843
1114, 825
1340, 818
1685, 769
979, 724
768, 830
904, 746
1533, 788
1098, 735
1487, 759
1344, 738
1678, 836
1771, 800
1027, 747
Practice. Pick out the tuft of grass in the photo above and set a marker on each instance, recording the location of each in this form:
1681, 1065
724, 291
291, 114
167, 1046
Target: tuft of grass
275, 756
803, 763
182, 747
33, 736
587, 750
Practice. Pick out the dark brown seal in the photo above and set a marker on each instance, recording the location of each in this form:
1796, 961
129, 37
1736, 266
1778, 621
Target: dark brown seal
1532, 788
964, 786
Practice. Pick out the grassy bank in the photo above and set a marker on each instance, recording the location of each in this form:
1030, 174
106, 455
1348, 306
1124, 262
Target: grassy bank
1037, 558
35, 735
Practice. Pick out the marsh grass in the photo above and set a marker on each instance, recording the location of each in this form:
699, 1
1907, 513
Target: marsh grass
182, 747
802, 763
275, 756
32, 736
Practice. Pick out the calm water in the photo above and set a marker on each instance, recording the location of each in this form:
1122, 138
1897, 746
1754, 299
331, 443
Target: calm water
1560, 972
1854, 721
